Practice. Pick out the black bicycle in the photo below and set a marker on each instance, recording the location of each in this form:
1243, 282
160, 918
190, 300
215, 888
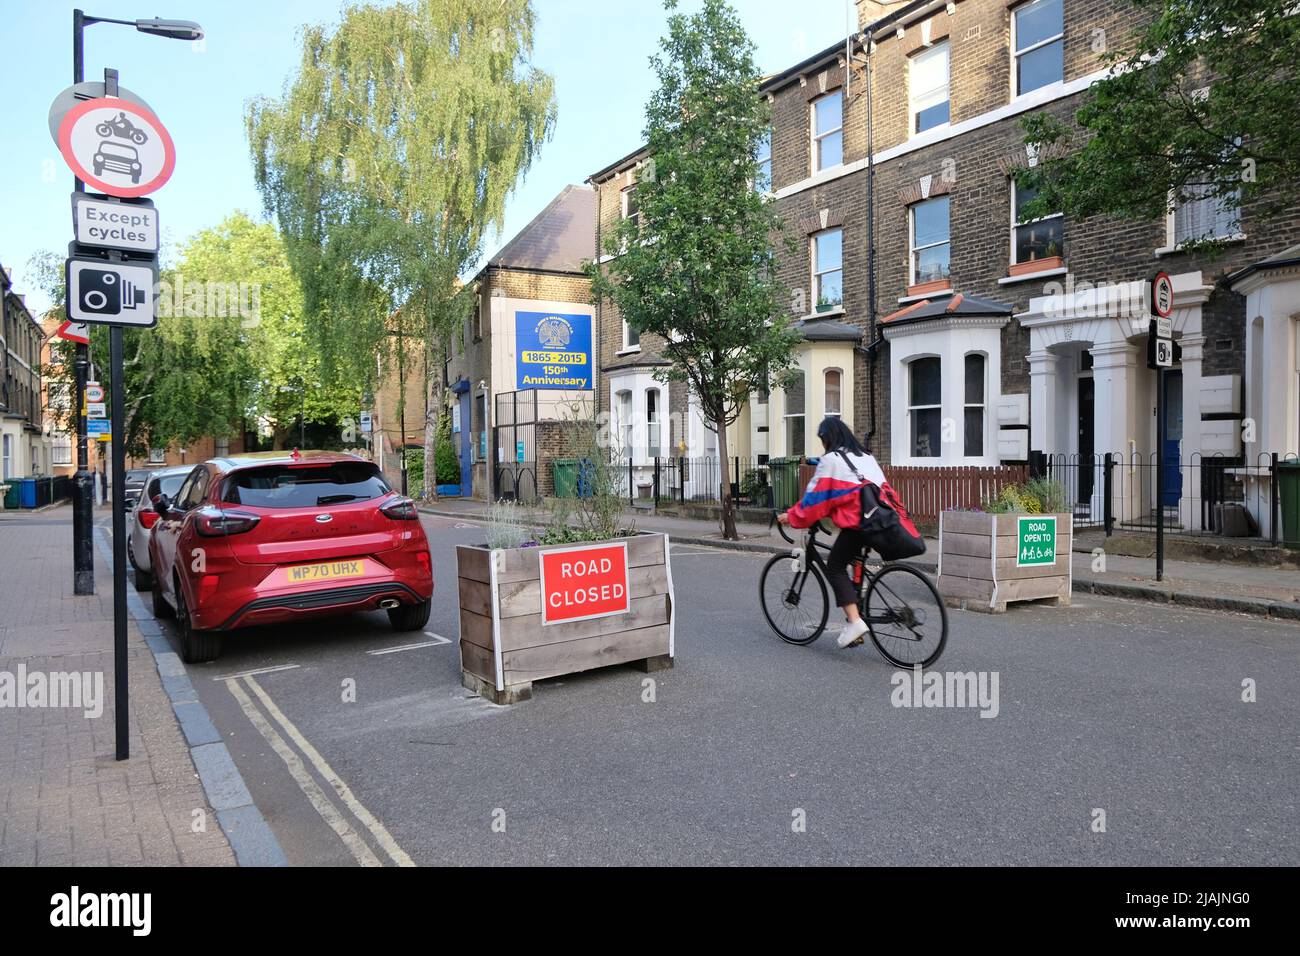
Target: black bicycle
905, 616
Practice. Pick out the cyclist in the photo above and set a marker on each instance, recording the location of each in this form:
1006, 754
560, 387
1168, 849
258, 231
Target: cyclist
834, 492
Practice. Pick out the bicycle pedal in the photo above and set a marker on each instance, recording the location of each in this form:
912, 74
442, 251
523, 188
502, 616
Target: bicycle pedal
857, 642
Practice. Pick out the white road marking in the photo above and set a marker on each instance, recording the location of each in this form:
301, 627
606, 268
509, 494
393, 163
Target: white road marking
729, 552
411, 647
377, 829
329, 813
260, 670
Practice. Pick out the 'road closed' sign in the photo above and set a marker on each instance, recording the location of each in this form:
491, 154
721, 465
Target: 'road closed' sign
1035, 540
584, 582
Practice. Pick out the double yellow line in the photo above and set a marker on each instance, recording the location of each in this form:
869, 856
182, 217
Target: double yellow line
318, 798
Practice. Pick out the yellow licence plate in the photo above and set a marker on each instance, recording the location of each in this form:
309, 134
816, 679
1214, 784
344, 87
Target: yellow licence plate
304, 573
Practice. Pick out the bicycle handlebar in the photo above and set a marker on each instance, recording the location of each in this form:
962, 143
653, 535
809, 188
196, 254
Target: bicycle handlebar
784, 531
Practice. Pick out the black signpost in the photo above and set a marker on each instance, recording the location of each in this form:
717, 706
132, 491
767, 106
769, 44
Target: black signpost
111, 139
1160, 356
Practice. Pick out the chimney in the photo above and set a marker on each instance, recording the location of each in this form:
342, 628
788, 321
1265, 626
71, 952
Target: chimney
869, 11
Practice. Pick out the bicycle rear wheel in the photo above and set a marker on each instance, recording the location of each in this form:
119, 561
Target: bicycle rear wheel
906, 616
795, 603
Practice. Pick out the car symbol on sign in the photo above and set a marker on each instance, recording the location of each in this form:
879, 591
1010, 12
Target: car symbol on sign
119, 158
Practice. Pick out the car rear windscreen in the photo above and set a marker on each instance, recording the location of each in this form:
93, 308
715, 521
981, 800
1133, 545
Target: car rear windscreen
310, 486
167, 485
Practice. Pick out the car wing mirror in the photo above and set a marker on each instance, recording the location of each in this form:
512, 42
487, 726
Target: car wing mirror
161, 504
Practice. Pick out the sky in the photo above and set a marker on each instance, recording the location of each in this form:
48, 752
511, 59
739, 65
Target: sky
597, 50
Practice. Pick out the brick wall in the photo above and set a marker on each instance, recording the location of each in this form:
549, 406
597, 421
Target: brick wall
972, 169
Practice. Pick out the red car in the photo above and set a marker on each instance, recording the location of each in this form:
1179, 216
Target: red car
273, 537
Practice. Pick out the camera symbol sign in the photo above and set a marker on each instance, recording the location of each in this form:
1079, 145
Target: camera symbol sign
111, 293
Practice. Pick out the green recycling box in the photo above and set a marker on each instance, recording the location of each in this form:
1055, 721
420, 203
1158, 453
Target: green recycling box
785, 482
565, 475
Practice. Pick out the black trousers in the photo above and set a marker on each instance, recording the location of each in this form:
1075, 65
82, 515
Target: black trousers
849, 546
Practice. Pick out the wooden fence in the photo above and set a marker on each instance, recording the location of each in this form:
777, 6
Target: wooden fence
929, 491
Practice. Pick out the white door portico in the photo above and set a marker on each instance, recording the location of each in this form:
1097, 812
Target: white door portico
1087, 347
1272, 291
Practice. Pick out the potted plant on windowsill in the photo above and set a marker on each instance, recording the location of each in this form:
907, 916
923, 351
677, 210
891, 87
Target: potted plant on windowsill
1051, 259
584, 592
1015, 547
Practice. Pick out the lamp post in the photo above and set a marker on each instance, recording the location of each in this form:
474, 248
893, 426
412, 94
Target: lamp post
83, 492
83, 557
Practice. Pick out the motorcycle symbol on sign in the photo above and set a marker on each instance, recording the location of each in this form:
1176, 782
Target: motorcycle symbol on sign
123, 128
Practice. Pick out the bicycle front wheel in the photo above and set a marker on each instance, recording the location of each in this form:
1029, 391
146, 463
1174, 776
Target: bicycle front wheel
795, 602
906, 616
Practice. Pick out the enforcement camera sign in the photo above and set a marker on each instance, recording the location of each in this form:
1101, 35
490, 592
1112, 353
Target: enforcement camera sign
553, 350
1035, 540
111, 293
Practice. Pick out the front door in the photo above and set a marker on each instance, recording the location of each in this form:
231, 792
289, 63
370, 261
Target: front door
466, 441
1172, 491
1086, 444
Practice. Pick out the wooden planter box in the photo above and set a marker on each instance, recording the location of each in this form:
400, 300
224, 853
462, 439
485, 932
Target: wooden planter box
508, 639
988, 560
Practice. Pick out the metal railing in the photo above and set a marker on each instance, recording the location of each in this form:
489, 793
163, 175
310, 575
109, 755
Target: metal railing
1203, 495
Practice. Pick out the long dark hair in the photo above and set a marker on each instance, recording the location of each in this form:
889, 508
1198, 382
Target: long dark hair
835, 435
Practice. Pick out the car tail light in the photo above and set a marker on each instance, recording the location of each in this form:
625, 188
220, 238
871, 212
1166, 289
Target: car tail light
401, 509
217, 522
422, 559
148, 517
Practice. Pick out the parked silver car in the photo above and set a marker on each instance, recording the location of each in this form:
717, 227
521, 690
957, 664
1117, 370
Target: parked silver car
164, 481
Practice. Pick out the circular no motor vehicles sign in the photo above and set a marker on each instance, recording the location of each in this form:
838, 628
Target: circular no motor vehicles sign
117, 146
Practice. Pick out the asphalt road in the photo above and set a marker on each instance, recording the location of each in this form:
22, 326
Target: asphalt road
1129, 708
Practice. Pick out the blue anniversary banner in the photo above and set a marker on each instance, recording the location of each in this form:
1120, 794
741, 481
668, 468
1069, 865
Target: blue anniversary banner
553, 350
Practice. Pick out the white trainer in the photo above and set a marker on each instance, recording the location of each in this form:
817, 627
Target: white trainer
852, 633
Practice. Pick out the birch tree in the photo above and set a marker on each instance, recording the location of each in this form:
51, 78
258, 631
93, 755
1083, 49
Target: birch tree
390, 154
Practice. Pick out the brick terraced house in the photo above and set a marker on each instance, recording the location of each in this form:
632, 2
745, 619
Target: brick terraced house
992, 337
524, 362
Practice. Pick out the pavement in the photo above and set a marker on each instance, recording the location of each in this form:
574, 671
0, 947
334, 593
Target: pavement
65, 800
1240, 588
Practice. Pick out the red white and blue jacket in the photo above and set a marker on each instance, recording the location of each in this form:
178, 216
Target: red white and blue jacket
833, 492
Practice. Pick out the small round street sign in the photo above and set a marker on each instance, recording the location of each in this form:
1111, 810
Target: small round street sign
94, 393
79, 93
1162, 295
117, 147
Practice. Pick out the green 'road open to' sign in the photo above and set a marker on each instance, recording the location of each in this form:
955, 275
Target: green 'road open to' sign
1035, 540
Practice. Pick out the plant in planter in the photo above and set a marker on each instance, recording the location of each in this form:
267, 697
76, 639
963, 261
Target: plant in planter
1015, 547
755, 489
589, 592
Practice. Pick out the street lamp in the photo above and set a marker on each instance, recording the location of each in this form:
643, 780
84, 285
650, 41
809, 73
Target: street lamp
172, 29
83, 561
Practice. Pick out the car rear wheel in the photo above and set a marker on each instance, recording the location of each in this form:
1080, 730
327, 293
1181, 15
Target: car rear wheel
143, 580
197, 647
161, 608
409, 617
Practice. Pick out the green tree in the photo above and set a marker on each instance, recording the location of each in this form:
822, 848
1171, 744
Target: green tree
1199, 102
393, 149
183, 379
698, 271
263, 310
